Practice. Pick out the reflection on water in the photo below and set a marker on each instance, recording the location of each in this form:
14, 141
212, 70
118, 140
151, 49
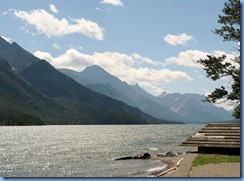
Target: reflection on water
87, 151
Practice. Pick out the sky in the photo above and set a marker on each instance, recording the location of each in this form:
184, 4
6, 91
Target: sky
155, 43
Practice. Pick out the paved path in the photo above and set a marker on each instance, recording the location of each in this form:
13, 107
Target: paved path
185, 169
216, 170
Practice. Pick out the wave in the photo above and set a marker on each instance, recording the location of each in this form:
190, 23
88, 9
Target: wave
156, 169
153, 149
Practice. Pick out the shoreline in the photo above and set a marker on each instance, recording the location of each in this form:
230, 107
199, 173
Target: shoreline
172, 163
181, 166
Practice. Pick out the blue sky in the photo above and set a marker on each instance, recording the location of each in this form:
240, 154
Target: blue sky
154, 43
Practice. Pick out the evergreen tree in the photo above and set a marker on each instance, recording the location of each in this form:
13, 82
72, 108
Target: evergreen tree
218, 67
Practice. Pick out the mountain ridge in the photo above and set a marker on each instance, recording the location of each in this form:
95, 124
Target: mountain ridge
177, 101
63, 100
15, 55
176, 108
23, 104
103, 77
110, 93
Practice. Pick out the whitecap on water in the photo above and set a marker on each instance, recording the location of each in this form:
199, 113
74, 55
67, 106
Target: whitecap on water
153, 149
151, 170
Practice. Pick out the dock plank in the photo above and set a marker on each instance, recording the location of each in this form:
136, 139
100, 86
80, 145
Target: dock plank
216, 135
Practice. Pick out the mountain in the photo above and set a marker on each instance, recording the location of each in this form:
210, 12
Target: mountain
193, 109
32, 89
108, 90
54, 84
99, 85
94, 76
21, 104
188, 108
15, 55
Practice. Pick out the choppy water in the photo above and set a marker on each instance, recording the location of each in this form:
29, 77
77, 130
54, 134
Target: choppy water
87, 151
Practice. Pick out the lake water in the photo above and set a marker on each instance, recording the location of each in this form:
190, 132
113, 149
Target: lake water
87, 151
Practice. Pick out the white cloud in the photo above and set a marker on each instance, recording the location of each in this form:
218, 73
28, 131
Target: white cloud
180, 39
53, 8
27, 31
229, 57
55, 45
154, 89
189, 58
6, 38
113, 2
99, 9
146, 60
51, 26
44, 55
226, 104
121, 65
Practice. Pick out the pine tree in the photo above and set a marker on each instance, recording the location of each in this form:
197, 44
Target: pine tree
219, 67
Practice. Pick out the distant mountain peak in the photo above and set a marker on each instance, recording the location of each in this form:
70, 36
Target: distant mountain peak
137, 88
15, 55
4, 42
96, 68
136, 85
164, 93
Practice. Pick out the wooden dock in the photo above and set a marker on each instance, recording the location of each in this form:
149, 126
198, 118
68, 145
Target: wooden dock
221, 138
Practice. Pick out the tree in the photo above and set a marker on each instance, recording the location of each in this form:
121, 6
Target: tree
219, 67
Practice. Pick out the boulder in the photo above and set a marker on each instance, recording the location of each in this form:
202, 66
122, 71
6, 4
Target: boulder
170, 154
124, 158
140, 156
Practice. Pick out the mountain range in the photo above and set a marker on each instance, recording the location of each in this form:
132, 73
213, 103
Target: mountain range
189, 108
32, 88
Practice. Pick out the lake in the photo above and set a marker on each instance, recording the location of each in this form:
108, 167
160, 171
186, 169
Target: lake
87, 150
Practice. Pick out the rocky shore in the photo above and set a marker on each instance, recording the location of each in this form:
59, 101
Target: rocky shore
180, 165
171, 159
172, 163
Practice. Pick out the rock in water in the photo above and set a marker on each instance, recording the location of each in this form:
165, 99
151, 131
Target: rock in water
170, 154
141, 156
124, 158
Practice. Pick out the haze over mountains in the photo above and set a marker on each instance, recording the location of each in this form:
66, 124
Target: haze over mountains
34, 90
67, 101
188, 108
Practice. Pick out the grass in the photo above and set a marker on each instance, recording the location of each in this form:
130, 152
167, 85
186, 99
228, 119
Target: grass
204, 159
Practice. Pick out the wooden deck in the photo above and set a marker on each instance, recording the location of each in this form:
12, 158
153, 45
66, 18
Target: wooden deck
216, 138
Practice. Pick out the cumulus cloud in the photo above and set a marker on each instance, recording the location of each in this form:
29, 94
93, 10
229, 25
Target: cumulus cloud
180, 39
51, 26
113, 2
229, 57
146, 60
121, 65
53, 8
189, 58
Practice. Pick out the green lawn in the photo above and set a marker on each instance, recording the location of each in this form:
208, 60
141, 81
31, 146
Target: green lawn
204, 159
